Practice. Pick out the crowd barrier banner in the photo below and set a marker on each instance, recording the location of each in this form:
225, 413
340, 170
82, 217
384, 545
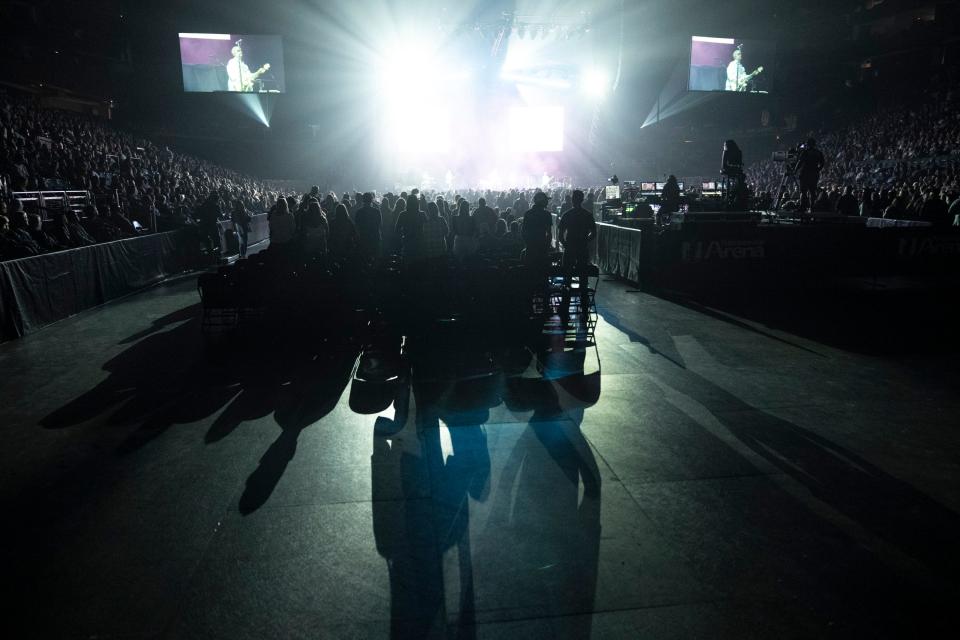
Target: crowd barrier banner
619, 251
789, 255
40, 290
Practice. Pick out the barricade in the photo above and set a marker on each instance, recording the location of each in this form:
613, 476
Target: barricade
40, 290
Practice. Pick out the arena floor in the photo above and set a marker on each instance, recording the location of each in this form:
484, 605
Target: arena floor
739, 476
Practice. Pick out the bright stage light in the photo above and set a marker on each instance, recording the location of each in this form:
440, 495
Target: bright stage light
595, 83
536, 129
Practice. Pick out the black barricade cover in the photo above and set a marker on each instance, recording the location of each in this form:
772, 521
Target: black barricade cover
37, 291
619, 251
726, 252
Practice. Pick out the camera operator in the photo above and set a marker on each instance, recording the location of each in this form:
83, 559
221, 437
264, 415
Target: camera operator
809, 164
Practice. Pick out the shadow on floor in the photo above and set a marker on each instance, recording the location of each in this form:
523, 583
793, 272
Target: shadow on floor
446, 400
874, 322
894, 512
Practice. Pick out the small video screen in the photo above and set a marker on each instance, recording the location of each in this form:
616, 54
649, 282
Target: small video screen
612, 192
731, 64
660, 186
231, 62
647, 187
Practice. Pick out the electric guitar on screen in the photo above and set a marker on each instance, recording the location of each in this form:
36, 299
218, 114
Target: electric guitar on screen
253, 77
742, 82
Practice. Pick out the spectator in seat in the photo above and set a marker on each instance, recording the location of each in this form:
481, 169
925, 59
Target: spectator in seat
953, 213
896, 209
44, 240
181, 213
935, 210
822, 203
98, 227
847, 203
70, 233
121, 222
18, 236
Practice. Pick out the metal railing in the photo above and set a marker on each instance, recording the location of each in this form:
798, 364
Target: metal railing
47, 202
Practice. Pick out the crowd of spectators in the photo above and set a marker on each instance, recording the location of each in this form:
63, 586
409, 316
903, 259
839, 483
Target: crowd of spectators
901, 161
426, 225
136, 185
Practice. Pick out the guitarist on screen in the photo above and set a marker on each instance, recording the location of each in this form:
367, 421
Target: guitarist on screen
737, 76
239, 76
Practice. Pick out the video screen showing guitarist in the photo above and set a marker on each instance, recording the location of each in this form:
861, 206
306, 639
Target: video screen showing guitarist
737, 77
239, 76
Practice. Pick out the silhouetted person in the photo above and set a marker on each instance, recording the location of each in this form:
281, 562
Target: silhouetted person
368, 221
121, 222
241, 223
809, 165
343, 236
99, 227
485, 218
70, 232
409, 228
20, 243
464, 232
847, 204
670, 197
44, 240
314, 230
283, 227
576, 229
935, 210
209, 214
435, 232
537, 231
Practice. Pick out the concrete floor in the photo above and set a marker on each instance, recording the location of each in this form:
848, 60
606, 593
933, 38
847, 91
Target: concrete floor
732, 480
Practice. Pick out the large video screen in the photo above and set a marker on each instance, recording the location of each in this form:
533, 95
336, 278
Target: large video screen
231, 62
731, 64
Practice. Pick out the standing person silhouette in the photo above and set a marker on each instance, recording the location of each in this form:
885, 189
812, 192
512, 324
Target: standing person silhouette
538, 231
577, 228
368, 221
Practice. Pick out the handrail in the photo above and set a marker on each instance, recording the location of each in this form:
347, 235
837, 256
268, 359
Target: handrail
47, 200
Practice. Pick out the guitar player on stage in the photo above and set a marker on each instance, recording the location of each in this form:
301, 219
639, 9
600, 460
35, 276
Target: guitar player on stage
737, 76
239, 76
